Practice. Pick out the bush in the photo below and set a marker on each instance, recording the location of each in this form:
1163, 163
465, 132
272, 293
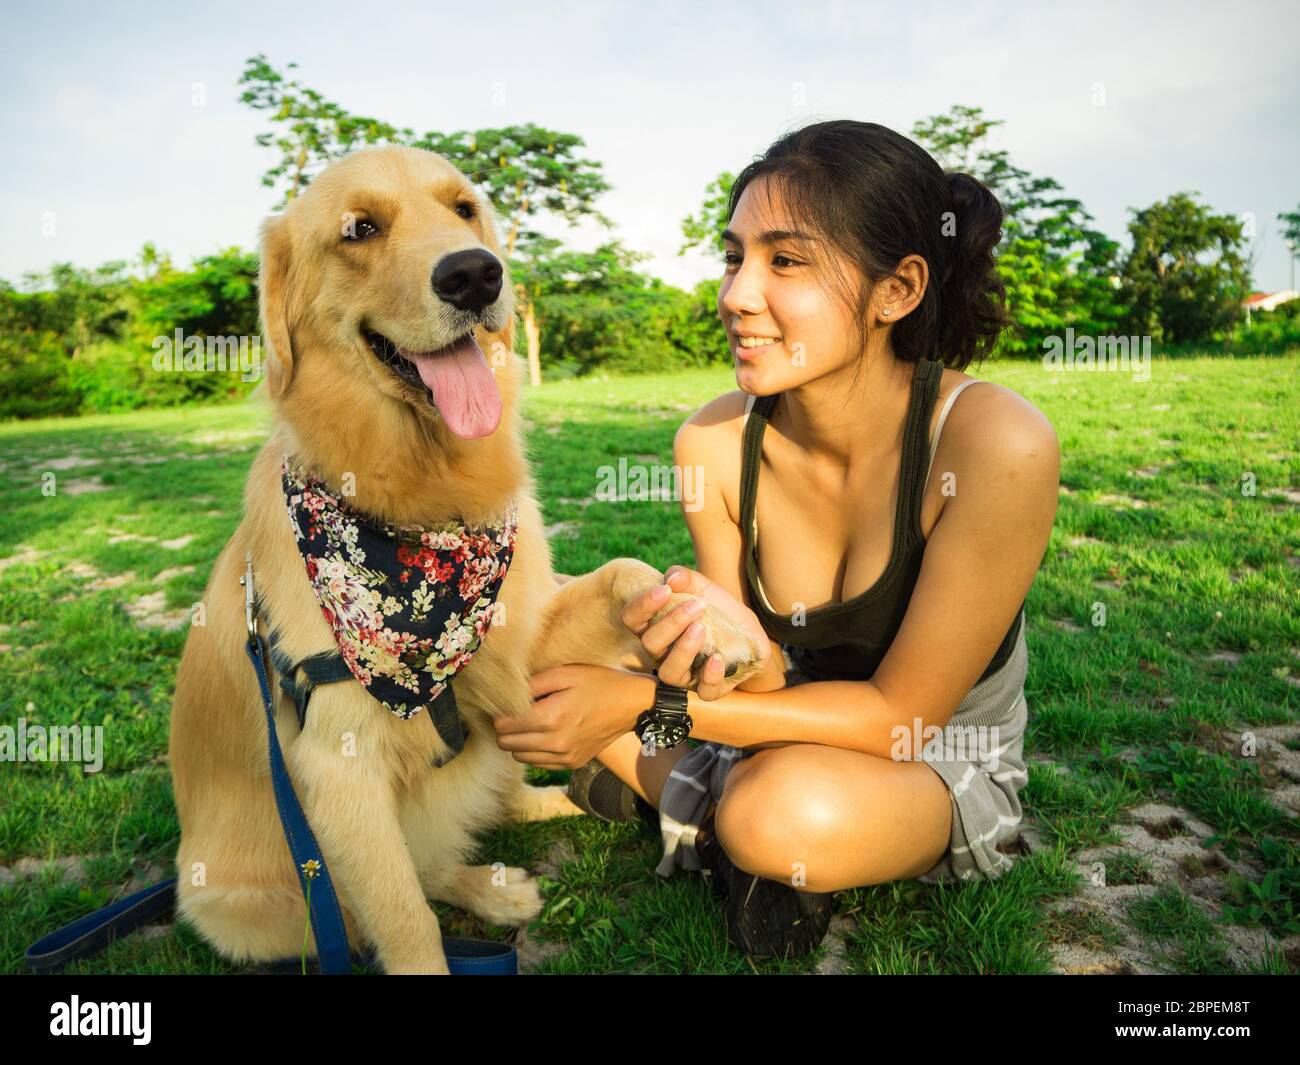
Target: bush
118, 376
636, 330
34, 378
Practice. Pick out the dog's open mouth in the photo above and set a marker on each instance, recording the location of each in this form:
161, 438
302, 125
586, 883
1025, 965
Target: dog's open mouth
456, 380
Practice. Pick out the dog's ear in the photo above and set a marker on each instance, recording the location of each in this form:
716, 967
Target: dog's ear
272, 283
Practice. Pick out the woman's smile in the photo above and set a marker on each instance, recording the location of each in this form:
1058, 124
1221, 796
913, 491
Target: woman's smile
748, 348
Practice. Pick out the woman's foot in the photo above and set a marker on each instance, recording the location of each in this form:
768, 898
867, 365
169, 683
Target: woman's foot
599, 790
765, 918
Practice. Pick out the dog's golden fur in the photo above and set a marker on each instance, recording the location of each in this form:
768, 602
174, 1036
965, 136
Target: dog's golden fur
394, 832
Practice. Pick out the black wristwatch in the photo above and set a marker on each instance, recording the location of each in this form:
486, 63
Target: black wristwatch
666, 723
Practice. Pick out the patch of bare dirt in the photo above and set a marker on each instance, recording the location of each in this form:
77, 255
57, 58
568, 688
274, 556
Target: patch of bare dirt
1123, 502
80, 486
27, 554
1169, 841
149, 611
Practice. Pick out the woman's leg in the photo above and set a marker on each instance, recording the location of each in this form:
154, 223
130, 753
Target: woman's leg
644, 774
824, 819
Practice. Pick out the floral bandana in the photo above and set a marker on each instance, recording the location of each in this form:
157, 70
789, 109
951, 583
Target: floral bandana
408, 606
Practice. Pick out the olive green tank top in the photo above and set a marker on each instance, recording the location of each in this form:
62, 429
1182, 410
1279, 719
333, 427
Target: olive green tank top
849, 640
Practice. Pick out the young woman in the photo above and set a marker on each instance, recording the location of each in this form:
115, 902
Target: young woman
859, 521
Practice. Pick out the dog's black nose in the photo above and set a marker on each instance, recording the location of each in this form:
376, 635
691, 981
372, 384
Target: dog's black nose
468, 280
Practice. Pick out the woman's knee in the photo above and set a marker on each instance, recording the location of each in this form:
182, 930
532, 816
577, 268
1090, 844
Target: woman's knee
774, 824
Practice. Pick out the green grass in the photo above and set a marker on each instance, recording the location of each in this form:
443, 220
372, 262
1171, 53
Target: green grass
1194, 569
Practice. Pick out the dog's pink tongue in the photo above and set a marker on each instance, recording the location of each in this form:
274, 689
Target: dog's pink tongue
464, 390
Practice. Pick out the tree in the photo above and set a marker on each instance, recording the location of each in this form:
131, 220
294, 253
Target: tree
315, 131
1291, 234
1185, 276
705, 229
217, 296
1291, 231
80, 305
599, 310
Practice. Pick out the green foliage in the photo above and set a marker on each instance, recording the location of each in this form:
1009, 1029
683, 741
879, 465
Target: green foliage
1056, 268
312, 131
1185, 277
44, 333
88, 343
1291, 231
216, 297
1268, 332
34, 381
525, 170
596, 311
1273, 901
704, 230
80, 305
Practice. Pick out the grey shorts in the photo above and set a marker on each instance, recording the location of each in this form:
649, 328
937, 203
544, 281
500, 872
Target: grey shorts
980, 758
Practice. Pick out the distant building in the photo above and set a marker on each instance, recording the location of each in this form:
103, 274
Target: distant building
1267, 301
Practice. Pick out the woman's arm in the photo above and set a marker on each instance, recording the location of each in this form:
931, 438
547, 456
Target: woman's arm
979, 563
708, 444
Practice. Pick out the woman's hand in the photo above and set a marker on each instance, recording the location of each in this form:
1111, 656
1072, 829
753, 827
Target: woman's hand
675, 639
577, 712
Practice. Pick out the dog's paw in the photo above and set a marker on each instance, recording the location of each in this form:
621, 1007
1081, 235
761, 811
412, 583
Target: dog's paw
510, 897
741, 657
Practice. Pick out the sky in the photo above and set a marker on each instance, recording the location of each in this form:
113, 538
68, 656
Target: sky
121, 122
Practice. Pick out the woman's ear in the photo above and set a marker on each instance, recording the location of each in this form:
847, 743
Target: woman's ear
272, 283
900, 294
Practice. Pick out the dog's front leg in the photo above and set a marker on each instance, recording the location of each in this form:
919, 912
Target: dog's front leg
341, 765
583, 623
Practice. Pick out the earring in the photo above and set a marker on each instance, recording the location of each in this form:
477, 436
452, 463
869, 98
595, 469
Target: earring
885, 312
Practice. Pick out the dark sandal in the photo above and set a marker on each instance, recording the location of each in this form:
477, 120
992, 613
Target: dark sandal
598, 790
771, 919
765, 918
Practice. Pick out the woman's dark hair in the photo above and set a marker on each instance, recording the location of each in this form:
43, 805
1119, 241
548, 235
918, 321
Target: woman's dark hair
878, 197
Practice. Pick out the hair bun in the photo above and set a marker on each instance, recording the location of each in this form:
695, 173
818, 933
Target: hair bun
972, 295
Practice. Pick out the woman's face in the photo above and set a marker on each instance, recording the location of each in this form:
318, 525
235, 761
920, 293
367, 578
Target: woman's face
769, 290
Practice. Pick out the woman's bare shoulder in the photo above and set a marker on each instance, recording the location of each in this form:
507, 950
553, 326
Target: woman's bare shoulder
718, 420
991, 417
996, 429
727, 409
710, 439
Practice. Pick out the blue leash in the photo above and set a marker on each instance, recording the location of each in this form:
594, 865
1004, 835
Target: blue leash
465, 957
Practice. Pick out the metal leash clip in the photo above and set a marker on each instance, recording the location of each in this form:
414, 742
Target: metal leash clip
246, 582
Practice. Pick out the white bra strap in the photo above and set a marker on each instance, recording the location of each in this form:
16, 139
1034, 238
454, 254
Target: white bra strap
943, 416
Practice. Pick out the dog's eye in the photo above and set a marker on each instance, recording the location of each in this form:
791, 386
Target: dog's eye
465, 211
360, 230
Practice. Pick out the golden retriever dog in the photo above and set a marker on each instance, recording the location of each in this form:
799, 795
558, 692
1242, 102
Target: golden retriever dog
388, 323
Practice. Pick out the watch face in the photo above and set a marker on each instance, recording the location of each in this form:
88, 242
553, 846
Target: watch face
667, 733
